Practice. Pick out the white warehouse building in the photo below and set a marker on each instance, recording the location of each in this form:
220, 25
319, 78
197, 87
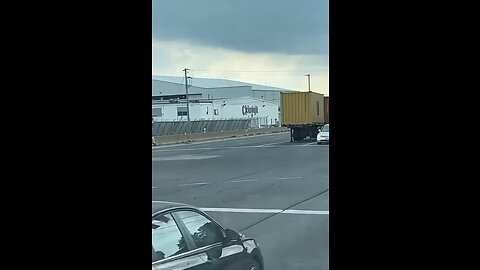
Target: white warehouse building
214, 99
262, 112
167, 87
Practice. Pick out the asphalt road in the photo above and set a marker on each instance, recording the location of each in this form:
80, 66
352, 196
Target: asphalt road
246, 183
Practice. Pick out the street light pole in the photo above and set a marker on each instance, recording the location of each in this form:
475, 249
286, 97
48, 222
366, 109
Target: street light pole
308, 82
186, 92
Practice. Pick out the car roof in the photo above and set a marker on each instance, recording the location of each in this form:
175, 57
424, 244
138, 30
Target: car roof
158, 206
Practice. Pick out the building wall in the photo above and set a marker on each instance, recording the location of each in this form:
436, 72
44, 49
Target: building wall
238, 108
167, 88
227, 92
198, 111
201, 111
268, 95
160, 88
234, 109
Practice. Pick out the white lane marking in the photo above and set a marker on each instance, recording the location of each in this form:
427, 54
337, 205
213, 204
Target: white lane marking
306, 212
237, 147
269, 144
183, 157
312, 143
265, 211
154, 187
287, 178
216, 148
241, 210
246, 180
194, 184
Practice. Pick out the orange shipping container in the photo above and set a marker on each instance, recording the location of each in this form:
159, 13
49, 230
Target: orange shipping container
302, 108
326, 107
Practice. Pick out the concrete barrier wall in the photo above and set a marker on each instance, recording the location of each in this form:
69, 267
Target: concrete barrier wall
196, 137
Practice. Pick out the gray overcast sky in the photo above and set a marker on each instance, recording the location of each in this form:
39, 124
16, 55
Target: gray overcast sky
263, 31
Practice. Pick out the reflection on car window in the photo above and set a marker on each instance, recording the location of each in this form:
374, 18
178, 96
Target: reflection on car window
204, 231
325, 128
166, 238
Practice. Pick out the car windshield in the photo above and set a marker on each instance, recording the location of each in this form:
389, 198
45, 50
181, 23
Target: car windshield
325, 128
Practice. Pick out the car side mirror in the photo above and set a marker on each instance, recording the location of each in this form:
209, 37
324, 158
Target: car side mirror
214, 253
232, 235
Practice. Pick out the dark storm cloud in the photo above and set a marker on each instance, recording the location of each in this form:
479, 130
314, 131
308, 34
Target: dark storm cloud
283, 26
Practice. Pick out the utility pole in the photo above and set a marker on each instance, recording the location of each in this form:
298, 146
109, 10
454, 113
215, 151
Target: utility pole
186, 91
308, 82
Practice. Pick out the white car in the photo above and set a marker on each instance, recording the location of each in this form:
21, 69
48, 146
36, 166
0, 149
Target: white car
323, 135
